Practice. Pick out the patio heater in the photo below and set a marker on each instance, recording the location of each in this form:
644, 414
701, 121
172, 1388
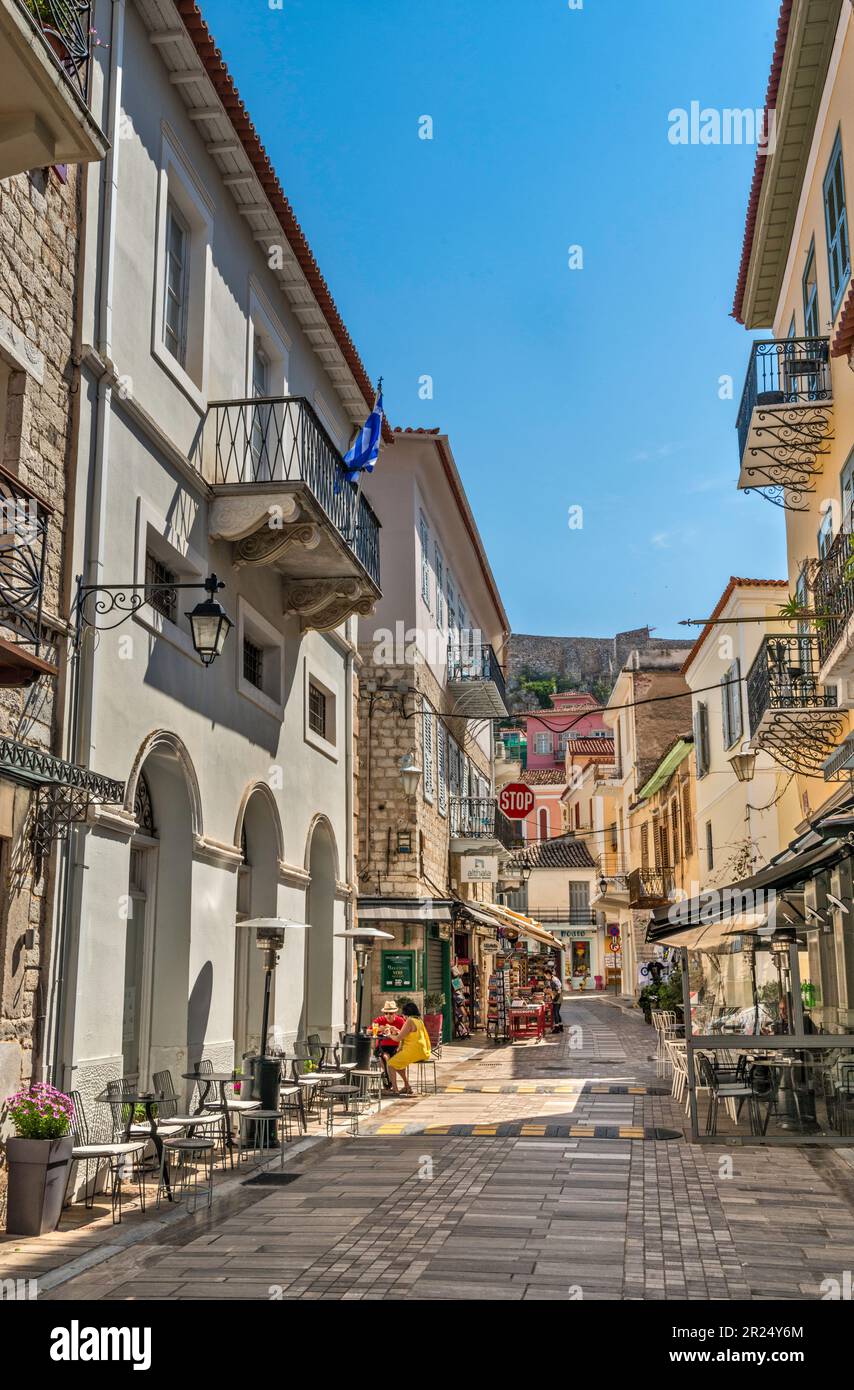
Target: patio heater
364, 939
270, 939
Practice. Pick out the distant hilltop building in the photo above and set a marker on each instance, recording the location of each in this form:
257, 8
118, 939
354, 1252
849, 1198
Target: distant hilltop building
581, 663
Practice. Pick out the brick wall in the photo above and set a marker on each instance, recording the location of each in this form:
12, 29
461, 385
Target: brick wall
39, 237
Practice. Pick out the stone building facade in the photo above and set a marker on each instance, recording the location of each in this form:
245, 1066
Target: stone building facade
430, 695
39, 245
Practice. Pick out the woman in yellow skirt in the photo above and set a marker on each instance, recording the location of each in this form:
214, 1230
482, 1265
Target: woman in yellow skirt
413, 1046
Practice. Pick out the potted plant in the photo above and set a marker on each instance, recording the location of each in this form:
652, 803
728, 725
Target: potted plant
433, 1006
38, 1158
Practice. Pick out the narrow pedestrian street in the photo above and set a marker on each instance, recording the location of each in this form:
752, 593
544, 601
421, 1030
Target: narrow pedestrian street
538, 1171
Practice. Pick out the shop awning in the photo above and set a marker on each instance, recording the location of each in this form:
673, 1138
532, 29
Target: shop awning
743, 906
526, 926
666, 769
476, 914
404, 910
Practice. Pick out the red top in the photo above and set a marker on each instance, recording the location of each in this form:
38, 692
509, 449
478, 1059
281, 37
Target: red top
395, 1021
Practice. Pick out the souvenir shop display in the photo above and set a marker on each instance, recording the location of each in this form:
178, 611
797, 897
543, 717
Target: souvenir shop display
461, 1001
497, 1025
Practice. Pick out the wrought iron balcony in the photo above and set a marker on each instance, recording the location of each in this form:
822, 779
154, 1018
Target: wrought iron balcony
565, 916
479, 819
650, 887
475, 679
283, 498
46, 57
785, 421
792, 715
25, 650
832, 588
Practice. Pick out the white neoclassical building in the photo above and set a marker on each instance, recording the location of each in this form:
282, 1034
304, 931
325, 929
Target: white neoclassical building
220, 387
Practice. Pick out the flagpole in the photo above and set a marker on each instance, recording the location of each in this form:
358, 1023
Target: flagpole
358, 493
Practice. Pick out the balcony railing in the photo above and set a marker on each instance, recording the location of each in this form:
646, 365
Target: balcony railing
67, 28
784, 676
785, 418
472, 662
280, 439
23, 553
479, 818
833, 592
650, 887
567, 916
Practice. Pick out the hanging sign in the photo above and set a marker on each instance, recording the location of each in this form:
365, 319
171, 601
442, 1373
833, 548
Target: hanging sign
479, 868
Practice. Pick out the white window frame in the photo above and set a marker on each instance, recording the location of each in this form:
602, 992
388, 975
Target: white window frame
180, 186
328, 747
154, 533
252, 624
545, 738
442, 759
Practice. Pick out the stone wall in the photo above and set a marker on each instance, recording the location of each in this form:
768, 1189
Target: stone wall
589, 663
39, 238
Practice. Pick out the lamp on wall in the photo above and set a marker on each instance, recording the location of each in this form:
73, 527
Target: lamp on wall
209, 622
743, 763
410, 773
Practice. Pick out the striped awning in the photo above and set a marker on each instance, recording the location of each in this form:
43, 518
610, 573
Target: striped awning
526, 926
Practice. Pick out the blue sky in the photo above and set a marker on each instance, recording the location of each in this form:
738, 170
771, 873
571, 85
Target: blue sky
593, 388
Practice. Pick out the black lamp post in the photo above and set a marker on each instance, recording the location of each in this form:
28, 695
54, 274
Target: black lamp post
209, 622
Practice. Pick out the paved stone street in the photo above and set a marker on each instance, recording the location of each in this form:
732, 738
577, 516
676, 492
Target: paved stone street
598, 1211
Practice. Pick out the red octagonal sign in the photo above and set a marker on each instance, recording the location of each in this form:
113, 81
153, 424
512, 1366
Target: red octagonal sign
516, 800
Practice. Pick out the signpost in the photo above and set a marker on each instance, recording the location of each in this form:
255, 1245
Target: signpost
516, 800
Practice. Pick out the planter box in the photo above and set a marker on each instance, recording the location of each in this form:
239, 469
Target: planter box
38, 1175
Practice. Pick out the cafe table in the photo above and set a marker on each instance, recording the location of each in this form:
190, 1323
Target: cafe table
149, 1102
795, 1104
205, 1081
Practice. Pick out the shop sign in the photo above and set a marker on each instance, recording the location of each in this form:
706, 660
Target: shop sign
397, 970
479, 868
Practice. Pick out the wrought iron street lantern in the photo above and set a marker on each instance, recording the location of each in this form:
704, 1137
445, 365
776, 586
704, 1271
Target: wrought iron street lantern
743, 764
410, 773
209, 623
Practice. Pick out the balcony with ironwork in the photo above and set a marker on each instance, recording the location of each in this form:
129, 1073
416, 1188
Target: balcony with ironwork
832, 585
475, 679
282, 497
26, 651
785, 420
46, 58
650, 888
477, 823
564, 916
792, 714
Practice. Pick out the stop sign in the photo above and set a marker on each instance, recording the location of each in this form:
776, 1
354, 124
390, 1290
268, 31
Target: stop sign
516, 800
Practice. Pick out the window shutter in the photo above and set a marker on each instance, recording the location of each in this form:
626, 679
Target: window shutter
442, 747
687, 836
701, 739
429, 783
736, 720
725, 710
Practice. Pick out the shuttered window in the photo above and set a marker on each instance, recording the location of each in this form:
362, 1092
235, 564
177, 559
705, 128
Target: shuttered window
701, 738
687, 828
442, 750
731, 705
836, 217
429, 779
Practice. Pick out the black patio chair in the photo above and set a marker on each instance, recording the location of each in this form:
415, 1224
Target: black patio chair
724, 1091
97, 1144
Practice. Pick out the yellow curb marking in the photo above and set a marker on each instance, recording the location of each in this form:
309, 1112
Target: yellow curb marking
631, 1133
533, 1129
437, 1129
390, 1129
455, 1088
583, 1131
484, 1129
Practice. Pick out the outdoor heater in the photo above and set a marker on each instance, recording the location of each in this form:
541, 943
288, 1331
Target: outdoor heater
270, 939
364, 939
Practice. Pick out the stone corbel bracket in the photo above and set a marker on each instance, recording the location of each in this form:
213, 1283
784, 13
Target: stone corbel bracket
323, 604
263, 526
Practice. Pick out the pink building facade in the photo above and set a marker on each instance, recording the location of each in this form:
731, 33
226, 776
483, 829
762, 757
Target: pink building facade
574, 715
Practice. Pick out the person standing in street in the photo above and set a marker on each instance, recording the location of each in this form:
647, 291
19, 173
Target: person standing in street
556, 991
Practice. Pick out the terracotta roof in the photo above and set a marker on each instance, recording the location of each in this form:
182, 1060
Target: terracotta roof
565, 852
544, 776
761, 157
605, 746
844, 338
228, 94
734, 583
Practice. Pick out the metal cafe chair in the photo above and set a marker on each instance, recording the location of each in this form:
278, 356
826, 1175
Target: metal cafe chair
123, 1123
95, 1147
725, 1091
212, 1118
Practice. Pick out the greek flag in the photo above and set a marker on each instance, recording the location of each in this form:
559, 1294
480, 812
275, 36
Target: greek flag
365, 452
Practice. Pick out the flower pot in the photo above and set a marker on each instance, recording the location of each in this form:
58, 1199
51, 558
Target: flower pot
433, 1024
38, 1175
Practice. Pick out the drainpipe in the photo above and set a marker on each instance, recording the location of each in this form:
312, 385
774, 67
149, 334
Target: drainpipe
82, 693
349, 837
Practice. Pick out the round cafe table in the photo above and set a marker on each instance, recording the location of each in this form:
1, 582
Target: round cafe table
149, 1102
